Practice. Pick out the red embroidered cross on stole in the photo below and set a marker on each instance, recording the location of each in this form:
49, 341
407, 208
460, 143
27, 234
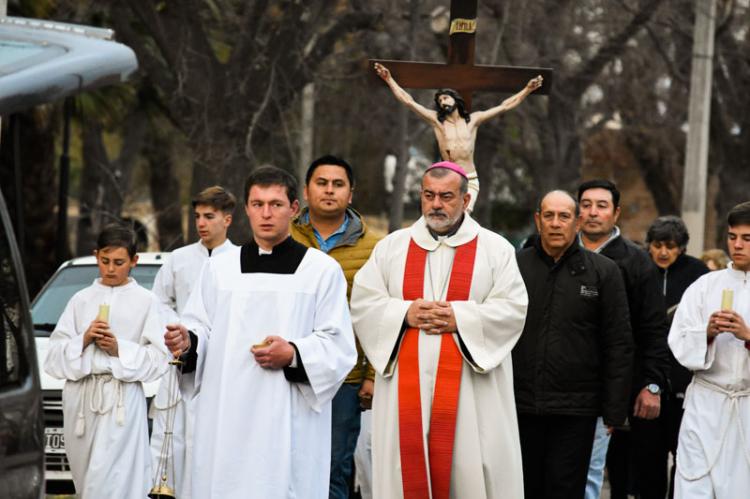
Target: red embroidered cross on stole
414, 474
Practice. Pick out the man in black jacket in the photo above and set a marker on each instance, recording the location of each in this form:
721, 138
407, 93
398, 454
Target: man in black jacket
631, 459
574, 358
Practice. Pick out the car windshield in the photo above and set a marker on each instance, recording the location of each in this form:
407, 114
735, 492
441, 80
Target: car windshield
49, 305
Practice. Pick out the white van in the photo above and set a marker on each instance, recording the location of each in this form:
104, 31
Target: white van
40, 61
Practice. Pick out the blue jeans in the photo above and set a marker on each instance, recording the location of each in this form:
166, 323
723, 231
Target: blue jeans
598, 460
345, 420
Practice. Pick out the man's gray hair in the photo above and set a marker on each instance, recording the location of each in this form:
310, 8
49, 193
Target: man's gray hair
442, 172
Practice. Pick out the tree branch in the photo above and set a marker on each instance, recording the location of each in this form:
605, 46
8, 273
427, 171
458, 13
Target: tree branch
159, 72
668, 61
243, 52
145, 11
320, 46
134, 133
200, 46
613, 47
256, 116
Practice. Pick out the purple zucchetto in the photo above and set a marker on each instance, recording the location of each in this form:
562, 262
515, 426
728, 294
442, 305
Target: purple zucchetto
448, 165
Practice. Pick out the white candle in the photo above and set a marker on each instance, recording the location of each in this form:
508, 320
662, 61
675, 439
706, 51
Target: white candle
103, 312
727, 299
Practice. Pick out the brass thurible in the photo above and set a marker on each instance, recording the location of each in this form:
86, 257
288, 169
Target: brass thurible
162, 491
164, 486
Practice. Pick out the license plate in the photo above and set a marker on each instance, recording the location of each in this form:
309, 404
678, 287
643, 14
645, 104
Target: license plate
54, 441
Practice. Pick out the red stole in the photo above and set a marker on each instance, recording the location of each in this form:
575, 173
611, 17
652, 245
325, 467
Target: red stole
414, 474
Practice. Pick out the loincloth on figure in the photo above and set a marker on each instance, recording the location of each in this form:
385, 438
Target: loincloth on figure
473, 190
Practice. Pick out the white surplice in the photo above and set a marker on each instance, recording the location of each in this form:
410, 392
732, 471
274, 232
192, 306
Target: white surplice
172, 287
713, 453
178, 275
257, 434
487, 453
104, 407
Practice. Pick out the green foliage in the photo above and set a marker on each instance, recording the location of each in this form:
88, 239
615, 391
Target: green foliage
42, 9
108, 105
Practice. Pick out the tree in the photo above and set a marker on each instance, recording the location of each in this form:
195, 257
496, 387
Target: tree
730, 122
225, 72
33, 170
650, 96
580, 40
106, 178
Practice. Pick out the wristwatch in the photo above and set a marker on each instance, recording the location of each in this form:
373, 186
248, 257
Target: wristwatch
653, 388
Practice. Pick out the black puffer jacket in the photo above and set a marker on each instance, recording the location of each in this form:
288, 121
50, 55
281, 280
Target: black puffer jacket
648, 318
575, 354
676, 278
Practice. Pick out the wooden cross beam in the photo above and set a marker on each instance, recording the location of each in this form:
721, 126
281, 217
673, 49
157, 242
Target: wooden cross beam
460, 73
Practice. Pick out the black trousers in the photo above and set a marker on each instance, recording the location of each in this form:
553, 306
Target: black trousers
556, 451
637, 460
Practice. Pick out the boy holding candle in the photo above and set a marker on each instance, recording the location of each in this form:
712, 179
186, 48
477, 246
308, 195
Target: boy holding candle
710, 336
106, 343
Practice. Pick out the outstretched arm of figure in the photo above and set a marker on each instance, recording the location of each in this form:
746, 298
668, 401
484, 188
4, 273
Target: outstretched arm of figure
404, 97
478, 117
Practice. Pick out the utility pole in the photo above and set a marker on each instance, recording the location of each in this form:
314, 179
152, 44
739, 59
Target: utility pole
695, 178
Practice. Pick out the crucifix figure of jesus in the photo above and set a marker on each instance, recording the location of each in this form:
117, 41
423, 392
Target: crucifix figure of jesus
454, 127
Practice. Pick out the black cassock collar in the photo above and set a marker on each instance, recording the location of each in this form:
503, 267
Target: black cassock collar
284, 259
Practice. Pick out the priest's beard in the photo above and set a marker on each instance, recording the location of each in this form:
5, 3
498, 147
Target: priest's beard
439, 221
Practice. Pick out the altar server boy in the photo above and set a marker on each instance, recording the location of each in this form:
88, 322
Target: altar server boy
106, 343
711, 337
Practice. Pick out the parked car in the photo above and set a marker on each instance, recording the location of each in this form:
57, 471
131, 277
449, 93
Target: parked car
46, 309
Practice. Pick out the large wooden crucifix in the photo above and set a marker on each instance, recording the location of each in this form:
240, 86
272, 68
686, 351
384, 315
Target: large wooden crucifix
456, 137
460, 72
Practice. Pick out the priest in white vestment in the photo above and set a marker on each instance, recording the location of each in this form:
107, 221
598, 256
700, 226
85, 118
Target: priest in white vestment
711, 337
444, 255
104, 361
271, 339
212, 210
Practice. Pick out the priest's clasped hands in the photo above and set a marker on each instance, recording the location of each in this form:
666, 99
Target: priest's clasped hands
99, 333
728, 321
433, 317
